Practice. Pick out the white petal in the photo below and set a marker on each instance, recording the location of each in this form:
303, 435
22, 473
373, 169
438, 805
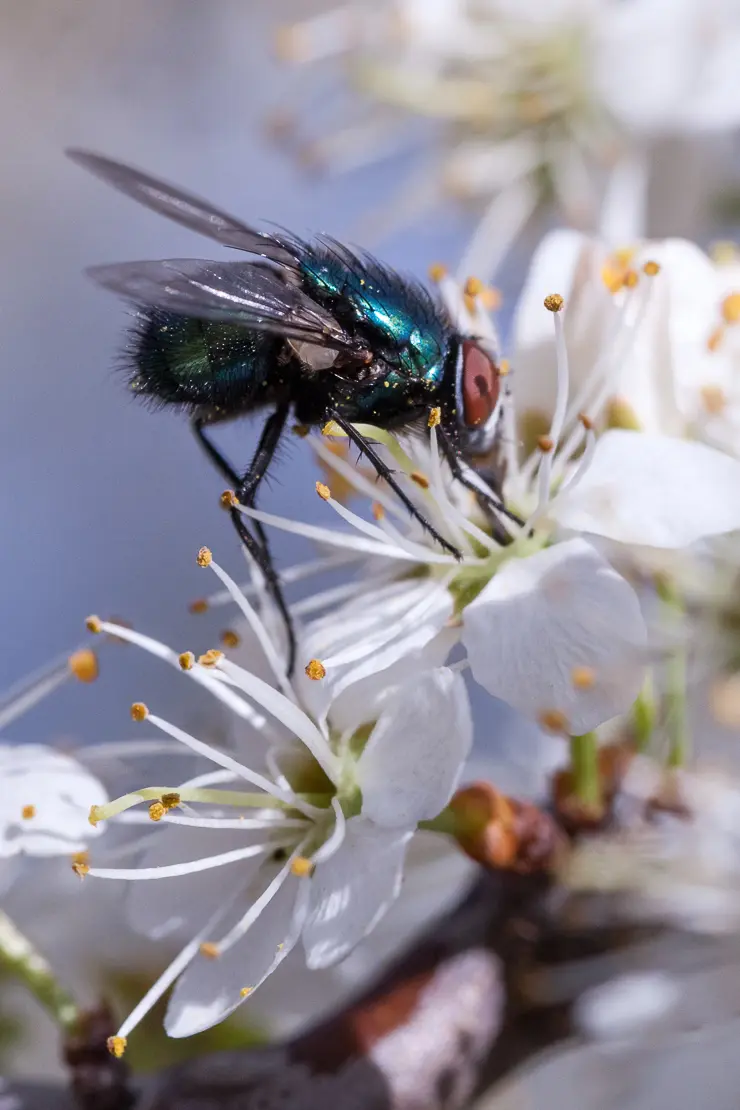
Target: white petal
543, 616
186, 903
211, 989
353, 890
654, 491
413, 759
61, 792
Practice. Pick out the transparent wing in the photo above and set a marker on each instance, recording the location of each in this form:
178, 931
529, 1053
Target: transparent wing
184, 208
252, 296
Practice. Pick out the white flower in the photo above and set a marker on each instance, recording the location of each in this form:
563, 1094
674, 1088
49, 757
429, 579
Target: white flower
522, 103
321, 858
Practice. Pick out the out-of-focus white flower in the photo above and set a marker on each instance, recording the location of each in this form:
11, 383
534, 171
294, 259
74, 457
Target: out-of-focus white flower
320, 859
528, 103
676, 371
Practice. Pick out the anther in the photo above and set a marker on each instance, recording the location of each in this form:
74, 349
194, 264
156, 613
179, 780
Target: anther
210, 658
377, 510
245, 991
315, 670
631, 279
714, 399
204, 557
28, 812
93, 624
84, 665
651, 268
94, 816
81, 864
170, 800
491, 298
139, 711
473, 287
554, 720
229, 638
331, 428
200, 605
437, 271
116, 1046
157, 811
545, 444
186, 660
583, 678
228, 499
553, 302
302, 867
421, 480
323, 491
504, 367
435, 417
300, 430
210, 950
586, 421
731, 309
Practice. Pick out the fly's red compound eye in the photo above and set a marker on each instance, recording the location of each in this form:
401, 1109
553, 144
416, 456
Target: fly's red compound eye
480, 384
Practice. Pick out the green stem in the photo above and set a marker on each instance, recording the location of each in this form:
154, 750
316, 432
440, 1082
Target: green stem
676, 673
19, 956
584, 761
644, 714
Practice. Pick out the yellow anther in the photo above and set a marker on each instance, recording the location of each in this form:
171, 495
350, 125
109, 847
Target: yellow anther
80, 864
612, 277
421, 479
245, 991
714, 399
200, 605
491, 298
731, 309
170, 800
139, 711
631, 279
116, 1046
94, 815
229, 638
504, 367
377, 510
554, 720
651, 268
323, 491
620, 414
204, 557
473, 287
210, 950
94, 624
715, 338
437, 271
586, 421
186, 659
157, 811
210, 658
545, 444
302, 867
435, 417
553, 302
84, 665
228, 500
583, 678
331, 428
315, 670
28, 812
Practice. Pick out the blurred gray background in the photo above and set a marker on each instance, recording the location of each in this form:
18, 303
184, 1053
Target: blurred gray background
103, 504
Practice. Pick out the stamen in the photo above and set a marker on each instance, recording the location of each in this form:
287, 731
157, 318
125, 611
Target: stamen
139, 711
315, 670
92, 624
32, 689
437, 271
116, 1046
731, 308
334, 842
357, 479
554, 304
157, 811
28, 812
84, 665
186, 660
230, 639
200, 605
420, 479
203, 558
323, 491
554, 720
583, 678
191, 867
435, 417
210, 658
261, 903
228, 500
210, 950
245, 991
302, 867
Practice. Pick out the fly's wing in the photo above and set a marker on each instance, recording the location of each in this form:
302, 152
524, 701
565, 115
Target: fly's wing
184, 208
251, 296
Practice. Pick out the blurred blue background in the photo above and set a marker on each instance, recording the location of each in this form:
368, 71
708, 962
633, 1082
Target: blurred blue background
103, 503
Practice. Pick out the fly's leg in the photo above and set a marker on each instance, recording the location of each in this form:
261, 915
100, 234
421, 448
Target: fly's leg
491, 503
245, 489
383, 471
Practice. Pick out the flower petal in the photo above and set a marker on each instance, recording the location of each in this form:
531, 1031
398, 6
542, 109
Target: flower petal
55, 792
654, 491
413, 759
544, 620
353, 890
211, 988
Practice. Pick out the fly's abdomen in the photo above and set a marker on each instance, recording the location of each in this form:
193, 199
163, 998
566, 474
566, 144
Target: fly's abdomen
185, 360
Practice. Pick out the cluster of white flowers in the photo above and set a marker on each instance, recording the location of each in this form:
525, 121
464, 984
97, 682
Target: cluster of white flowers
528, 103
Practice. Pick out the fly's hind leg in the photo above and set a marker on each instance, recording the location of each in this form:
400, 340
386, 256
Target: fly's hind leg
245, 489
